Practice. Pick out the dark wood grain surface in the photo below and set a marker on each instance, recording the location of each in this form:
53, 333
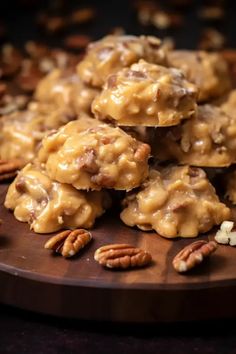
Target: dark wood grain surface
53, 284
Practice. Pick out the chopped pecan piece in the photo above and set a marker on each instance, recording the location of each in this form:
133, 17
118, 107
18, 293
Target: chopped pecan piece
211, 13
103, 180
55, 24
68, 243
29, 76
3, 89
122, 256
10, 60
211, 39
9, 104
192, 255
8, 169
87, 162
163, 20
82, 15
77, 41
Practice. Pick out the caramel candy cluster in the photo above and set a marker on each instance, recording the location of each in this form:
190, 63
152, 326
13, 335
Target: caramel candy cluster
65, 90
146, 94
49, 206
208, 139
22, 131
176, 201
112, 53
208, 71
111, 122
94, 158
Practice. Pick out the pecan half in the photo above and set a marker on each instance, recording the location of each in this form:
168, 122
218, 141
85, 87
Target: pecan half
8, 169
122, 256
192, 255
68, 243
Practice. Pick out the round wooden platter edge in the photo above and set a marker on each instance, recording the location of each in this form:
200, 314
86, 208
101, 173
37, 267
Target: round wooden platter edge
33, 279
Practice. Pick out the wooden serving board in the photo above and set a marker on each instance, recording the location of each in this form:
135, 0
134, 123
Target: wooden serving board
32, 278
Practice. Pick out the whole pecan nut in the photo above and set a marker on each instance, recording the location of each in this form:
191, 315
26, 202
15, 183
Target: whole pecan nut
192, 255
122, 256
68, 243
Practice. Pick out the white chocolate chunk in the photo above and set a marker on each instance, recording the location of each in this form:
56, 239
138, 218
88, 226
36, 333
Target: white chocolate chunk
222, 237
227, 226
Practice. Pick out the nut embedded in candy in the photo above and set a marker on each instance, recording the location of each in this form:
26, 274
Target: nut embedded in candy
99, 156
112, 53
50, 206
146, 94
177, 201
208, 71
206, 140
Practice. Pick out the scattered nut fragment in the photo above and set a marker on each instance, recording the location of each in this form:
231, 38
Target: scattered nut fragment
225, 235
192, 255
10, 60
55, 24
68, 243
77, 41
211, 39
36, 50
29, 76
10, 104
3, 89
117, 31
211, 13
8, 169
163, 20
122, 256
229, 55
82, 16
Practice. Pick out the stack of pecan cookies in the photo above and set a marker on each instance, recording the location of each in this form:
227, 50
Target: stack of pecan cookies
132, 116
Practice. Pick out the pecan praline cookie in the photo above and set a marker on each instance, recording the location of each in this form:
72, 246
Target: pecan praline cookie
50, 206
65, 90
95, 157
112, 53
146, 94
208, 71
177, 201
207, 140
22, 131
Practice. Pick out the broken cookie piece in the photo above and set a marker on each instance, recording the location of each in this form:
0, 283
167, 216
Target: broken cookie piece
50, 206
177, 201
146, 94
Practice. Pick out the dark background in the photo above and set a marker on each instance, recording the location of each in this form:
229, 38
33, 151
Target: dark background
20, 20
23, 332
